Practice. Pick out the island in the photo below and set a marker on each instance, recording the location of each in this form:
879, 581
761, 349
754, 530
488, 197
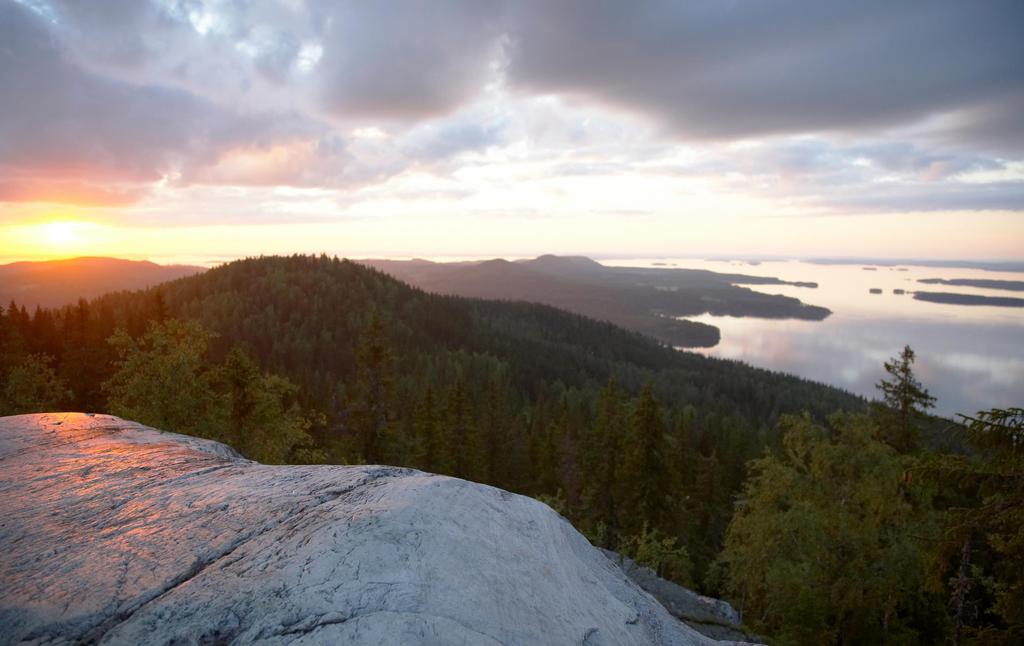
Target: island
984, 283
951, 298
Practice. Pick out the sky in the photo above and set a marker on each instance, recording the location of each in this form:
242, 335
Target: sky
173, 129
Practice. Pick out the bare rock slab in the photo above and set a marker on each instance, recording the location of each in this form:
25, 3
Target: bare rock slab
116, 533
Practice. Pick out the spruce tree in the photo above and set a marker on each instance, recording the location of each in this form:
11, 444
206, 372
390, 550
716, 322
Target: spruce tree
906, 401
548, 467
601, 455
646, 478
985, 535
426, 434
261, 418
371, 407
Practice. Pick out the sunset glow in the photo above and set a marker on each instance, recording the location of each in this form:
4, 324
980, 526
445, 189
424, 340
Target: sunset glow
60, 234
55, 239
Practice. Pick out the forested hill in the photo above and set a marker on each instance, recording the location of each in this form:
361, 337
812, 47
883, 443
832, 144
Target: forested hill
650, 300
511, 394
303, 316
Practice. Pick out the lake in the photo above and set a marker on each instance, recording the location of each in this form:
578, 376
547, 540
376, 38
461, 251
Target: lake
969, 357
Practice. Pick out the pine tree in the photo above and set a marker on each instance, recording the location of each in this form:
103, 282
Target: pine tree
906, 401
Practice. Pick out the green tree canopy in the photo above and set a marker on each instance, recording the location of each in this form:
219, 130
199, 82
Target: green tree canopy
824, 546
986, 534
259, 413
33, 386
161, 379
165, 379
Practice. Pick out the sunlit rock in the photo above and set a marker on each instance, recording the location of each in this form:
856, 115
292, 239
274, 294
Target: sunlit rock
113, 532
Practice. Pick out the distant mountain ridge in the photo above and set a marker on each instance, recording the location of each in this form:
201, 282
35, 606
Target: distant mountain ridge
52, 283
645, 300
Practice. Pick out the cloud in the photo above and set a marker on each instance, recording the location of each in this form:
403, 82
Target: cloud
996, 125
122, 33
443, 139
276, 52
867, 176
820, 160
64, 123
727, 70
406, 60
706, 69
869, 105
911, 197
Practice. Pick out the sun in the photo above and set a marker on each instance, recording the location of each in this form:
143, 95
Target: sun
51, 238
60, 234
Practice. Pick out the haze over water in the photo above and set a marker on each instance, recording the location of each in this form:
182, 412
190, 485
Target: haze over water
969, 357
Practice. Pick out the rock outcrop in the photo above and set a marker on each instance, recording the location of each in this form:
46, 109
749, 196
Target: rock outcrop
112, 532
711, 617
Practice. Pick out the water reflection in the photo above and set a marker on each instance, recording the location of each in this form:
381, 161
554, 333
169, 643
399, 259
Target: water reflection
970, 358
967, 365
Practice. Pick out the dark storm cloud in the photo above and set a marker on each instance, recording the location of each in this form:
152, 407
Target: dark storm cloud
721, 69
